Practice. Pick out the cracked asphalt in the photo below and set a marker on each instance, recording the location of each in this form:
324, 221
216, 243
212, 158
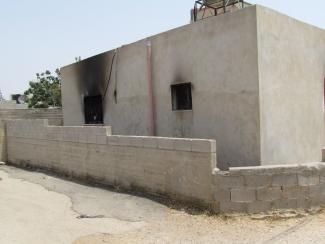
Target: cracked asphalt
40, 208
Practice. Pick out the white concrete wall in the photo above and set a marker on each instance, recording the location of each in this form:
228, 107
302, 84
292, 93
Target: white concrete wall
291, 85
180, 168
217, 55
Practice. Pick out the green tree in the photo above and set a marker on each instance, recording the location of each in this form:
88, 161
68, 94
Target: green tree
45, 91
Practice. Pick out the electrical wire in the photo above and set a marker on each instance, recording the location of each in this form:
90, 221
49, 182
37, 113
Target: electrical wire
116, 79
110, 76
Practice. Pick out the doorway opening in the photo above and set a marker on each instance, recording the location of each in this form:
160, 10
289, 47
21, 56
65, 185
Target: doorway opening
93, 110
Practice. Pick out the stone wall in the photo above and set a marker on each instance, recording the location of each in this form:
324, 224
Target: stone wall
261, 189
179, 168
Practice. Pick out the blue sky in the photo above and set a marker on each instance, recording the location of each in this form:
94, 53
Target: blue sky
37, 35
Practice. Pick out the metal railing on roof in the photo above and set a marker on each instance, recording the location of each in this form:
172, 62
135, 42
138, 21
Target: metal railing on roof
215, 5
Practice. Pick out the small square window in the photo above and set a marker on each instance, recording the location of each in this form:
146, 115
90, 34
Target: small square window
181, 96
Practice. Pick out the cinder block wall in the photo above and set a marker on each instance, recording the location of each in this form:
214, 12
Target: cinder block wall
180, 168
54, 116
261, 189
3, 144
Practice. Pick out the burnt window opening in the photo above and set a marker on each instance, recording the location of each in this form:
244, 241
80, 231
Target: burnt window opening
181, 96
93, 110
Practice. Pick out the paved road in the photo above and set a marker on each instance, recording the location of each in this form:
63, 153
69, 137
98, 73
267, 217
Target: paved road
38, 208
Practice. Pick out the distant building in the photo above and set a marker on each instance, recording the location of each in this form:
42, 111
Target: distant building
1, 97
17, 102
19, 98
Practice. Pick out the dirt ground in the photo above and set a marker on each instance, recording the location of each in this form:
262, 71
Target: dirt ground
39, 208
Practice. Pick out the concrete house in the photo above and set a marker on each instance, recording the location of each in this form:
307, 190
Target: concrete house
252, 79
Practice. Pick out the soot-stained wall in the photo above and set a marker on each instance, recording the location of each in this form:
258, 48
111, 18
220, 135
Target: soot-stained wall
86, 78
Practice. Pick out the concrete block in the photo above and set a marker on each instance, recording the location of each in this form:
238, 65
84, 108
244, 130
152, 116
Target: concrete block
124, 141
166, 143
295, 192
312, 168
222, 195
70, 137
51, 129
321, 169
308, 179
285, 180
322, 179
57, 129
243, 195
225, 182
215, 207
59, 137
317, 200
258, 207
108, 130
50, 136
45, 122
113, 140
183, 144
101, 139
269, 193
258, 180
83, 138
150, 142
94, 130
65, 137
317, 190
136, 141
204, 145
304, 203
233, 207
92, 138
267, 170
72, 129
65, 130
284, 204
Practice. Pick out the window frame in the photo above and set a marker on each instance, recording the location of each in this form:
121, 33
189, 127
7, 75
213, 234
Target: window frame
175, 99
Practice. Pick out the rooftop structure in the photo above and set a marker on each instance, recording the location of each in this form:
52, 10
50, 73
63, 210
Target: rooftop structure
207, 8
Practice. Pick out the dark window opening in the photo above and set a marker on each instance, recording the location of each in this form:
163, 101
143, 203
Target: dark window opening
181, 96
93, 110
